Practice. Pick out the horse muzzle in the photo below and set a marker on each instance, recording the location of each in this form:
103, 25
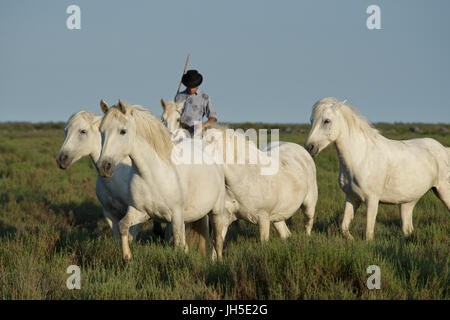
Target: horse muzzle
106, 168
312, 148
63, 161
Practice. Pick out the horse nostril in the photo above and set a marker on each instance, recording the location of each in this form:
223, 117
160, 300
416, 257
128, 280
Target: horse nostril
62, 161
107, 166
310, 147
63, 157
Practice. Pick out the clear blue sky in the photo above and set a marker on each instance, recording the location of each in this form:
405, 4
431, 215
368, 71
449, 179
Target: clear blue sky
266, 61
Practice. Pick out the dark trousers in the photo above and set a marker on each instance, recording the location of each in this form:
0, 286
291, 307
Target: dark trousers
188, 128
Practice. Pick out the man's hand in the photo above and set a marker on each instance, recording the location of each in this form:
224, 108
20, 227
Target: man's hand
210, 120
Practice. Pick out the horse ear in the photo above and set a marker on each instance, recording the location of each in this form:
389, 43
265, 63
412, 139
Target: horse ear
180, 106
104, 106
163, 104
122, 106
338, 104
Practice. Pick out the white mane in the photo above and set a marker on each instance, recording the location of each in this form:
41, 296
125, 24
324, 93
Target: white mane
147, 126
353, 120
85, 115
237, 139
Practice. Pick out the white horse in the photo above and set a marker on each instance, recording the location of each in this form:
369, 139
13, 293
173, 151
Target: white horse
269, 198
159, 188
172, 114
375, 169
82, 139
172, 119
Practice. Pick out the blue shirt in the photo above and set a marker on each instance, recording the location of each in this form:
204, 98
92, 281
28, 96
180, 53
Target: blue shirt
196, 106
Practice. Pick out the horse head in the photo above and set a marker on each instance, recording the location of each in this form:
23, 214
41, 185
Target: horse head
326, 125
172, 114
82, 138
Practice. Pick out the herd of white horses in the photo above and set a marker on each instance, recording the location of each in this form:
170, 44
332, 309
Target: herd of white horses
138, 179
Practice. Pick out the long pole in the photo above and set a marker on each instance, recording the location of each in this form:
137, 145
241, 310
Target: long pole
185, 67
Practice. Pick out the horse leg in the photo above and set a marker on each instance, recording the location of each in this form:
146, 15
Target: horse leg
406, 212
204, 240
309, 210
168, 234
199, 230
134, 230
220, 226
372, 210
264, 227
443, 193
133, 217
282, 229
221, 219
350, 209
112, 222
178, 228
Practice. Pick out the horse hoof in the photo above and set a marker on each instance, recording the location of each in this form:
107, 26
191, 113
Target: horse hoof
127, 257
348, 236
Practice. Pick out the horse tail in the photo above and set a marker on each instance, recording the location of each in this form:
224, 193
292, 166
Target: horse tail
198, 235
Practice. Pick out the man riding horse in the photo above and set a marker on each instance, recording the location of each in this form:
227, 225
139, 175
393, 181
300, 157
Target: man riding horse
197, 104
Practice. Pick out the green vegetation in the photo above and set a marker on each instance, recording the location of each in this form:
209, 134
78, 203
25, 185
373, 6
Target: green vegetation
50, 219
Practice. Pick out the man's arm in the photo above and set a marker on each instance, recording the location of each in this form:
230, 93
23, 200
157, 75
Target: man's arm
209, 113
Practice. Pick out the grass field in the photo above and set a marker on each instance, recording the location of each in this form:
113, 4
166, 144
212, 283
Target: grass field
50, 219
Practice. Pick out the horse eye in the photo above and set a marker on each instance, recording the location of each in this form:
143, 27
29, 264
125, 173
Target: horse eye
123, 132
83, 131
327, 121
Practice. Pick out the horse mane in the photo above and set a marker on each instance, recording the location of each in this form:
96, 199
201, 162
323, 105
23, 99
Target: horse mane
348, 112
148, 127
224, 128
215, 125
171, 104
237, 136
85, 115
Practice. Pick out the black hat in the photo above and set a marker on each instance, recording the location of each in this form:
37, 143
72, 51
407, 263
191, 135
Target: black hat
192, 79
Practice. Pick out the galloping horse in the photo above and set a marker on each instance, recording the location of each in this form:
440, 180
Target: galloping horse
375, 169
